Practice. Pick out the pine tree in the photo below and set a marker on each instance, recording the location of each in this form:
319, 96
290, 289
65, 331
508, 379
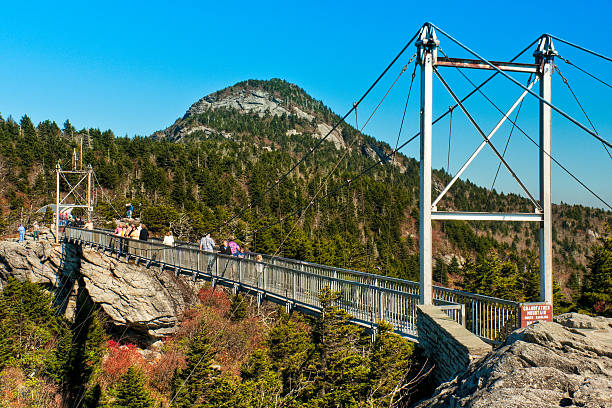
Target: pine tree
132, 392
238, 308
597, 289
192, 382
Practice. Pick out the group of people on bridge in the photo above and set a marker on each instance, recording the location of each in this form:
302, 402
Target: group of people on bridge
207, 243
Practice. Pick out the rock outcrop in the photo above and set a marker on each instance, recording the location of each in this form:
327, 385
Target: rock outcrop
145, 301
565, 363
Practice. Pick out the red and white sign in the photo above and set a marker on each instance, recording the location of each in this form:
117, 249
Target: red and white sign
532, 312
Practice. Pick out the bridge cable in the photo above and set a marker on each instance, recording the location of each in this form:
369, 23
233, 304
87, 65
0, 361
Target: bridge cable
302, 210
581, 107
320, 141
584, 71
107, 196
580, 48
338, 188
397, 139
537, 144
552, 106
518, 111
450, 132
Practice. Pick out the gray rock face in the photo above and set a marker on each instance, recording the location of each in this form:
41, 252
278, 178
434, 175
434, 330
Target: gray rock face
143, 300
134, 296
36, 261
542, 365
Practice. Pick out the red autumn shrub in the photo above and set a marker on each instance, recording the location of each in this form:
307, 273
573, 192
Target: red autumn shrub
214, 297
119, 358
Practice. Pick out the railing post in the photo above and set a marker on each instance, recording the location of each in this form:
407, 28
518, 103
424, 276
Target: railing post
293, 285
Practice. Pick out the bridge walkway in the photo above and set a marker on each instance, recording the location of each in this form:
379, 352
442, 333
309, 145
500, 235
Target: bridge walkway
369, 298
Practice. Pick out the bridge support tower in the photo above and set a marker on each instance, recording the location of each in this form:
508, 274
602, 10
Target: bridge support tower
427, 46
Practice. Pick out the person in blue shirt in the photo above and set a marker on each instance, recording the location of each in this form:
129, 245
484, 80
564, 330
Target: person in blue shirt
22, 232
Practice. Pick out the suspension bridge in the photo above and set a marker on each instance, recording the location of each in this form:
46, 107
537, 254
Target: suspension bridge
371, 298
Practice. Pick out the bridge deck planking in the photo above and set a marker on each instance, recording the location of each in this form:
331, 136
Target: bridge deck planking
369, 298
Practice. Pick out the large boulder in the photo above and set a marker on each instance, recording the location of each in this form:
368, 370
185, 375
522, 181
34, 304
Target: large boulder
546, 364
133, 296
139, 301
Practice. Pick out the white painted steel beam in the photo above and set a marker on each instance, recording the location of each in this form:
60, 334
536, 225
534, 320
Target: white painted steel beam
544, 56
482, 216
477, 64
426, 48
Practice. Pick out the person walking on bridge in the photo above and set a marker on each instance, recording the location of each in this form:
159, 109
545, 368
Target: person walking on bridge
207, 243
169, 239
144, 233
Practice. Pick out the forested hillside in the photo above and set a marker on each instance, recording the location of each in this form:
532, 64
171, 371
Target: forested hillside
209, 171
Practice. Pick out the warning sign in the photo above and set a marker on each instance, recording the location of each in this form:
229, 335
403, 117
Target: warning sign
532, 312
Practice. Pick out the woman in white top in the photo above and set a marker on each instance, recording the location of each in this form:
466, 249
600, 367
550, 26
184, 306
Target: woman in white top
169, 239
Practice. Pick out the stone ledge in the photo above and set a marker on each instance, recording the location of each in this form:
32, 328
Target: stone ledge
451, 346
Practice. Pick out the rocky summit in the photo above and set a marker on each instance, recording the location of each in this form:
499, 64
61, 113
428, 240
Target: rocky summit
251, 100
565, 363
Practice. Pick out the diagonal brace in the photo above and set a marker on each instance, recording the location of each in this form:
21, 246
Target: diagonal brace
482, 144
499, 156
73, 188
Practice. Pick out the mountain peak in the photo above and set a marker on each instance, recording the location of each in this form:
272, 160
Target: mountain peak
261, 98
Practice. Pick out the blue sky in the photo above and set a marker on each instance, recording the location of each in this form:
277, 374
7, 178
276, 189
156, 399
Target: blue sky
134, 68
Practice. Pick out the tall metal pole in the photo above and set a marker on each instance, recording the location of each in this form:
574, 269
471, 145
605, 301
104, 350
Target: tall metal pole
426, 46
544, 56
89, 208
57, 202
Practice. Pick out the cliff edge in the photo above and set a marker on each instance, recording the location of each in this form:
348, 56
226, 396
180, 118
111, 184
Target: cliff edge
565, 363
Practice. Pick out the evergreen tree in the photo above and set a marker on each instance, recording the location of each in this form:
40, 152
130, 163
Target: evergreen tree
597, 288
190, 384
238, 308
132, 391
343, 370
30, 331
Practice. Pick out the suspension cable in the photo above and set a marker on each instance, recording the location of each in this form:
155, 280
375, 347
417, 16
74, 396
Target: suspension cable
584, 71
518, 110
399, 133
536, 144
558, 110
581, 48
303, 209
107, 196
565, 81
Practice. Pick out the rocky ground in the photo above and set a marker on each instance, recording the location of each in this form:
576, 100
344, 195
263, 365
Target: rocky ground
565, 363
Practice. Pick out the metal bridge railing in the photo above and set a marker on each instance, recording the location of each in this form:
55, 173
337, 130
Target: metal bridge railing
368, 297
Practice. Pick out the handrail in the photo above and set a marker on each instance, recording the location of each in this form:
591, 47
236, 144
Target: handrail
369, 297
